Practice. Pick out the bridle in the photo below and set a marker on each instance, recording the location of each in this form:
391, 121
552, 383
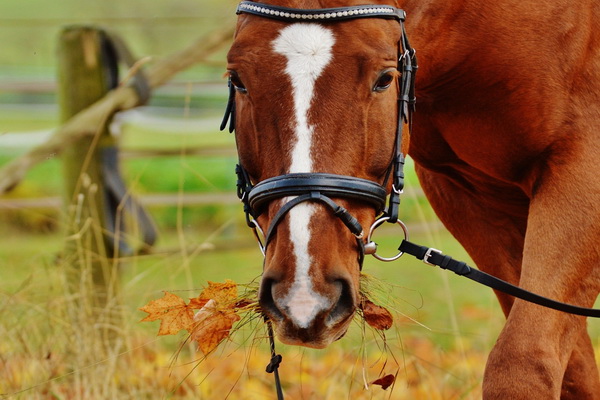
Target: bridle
321, 187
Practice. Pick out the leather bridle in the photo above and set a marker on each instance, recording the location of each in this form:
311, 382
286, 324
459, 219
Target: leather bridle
321, 187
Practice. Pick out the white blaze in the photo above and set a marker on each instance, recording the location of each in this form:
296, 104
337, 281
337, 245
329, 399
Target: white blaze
307, 48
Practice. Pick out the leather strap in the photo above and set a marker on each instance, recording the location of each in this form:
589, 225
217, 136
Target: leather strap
328, 184
230, 109
351, 223
435, 257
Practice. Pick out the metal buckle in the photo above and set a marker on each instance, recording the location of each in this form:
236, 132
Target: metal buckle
398, 192
428, 255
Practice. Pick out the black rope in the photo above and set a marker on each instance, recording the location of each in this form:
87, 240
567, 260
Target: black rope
273, 366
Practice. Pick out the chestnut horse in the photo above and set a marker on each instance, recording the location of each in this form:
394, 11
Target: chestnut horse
505, 143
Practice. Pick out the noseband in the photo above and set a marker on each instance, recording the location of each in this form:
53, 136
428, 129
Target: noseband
321, 187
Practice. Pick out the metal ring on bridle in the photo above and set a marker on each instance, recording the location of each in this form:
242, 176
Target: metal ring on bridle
375, 226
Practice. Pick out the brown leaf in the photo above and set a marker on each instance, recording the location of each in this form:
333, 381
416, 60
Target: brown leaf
197, 303
385, 381
173, 313
212, 326
376, 316
224, 294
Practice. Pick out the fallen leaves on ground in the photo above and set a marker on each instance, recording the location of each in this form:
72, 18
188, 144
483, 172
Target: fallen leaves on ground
218, 305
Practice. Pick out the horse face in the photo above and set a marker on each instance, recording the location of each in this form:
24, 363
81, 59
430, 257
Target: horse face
314, 98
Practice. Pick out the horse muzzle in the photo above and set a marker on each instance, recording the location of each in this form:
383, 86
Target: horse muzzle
304, 316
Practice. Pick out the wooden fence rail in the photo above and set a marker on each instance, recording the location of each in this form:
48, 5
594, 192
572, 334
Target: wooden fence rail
124, 97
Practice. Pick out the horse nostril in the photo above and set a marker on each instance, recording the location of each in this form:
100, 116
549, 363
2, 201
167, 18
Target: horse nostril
345, 305
266, 301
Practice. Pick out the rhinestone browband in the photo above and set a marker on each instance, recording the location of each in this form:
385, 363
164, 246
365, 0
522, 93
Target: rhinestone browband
322, 14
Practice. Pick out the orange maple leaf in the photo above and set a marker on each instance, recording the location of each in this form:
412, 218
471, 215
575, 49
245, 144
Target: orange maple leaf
376, 316
172, 311
224, 294
218, 304
212, 325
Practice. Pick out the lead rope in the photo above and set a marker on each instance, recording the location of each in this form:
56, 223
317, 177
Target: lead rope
273, 366
435, 257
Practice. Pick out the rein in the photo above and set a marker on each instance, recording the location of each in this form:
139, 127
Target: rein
435, 257
320, 187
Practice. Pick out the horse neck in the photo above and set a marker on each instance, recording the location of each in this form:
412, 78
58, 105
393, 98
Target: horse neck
432, 27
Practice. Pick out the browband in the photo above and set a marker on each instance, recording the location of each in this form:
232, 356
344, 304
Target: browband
320, 14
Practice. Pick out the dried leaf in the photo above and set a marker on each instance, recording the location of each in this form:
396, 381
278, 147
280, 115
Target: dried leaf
197, 303
376, 316
212, 326
385, 381
217, 305
224, 294
173, 313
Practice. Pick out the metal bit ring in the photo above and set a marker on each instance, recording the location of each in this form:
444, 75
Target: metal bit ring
375, 225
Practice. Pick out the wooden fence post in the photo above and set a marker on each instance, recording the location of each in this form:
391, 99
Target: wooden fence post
86, 72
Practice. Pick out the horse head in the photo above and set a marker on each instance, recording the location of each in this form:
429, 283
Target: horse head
314, 100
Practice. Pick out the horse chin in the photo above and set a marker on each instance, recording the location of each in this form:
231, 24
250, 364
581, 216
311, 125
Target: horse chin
316, 337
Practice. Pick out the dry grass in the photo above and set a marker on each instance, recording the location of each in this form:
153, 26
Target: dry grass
58, 345
55, 359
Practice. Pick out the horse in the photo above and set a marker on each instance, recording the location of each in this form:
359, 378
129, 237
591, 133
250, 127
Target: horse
504, 142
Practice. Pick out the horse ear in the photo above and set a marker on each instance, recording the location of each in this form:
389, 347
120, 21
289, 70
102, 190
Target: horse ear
230, 109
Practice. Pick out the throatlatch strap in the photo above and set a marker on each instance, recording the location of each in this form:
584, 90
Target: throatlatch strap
435, 257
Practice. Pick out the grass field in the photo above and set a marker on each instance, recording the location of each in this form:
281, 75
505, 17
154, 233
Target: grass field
437, 346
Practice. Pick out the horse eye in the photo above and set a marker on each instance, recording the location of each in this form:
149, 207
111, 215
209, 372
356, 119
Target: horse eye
384, 81
237, 82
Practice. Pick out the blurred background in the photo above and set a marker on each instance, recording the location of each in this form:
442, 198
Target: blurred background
58, 343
